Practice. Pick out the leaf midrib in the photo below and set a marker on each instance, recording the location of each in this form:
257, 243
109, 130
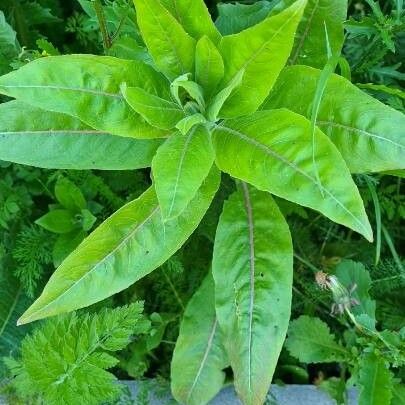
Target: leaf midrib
282, 159
249, 214
264, 45
123, 242
205, 357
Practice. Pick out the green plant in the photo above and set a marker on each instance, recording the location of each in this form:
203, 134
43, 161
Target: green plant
296, 132
77, 350
369, 355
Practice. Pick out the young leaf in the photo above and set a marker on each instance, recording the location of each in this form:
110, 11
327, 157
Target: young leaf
157, 111
88, 89
320, 16
310, 341
219, 99
261, 51
69, 195
172, 49
57, 221
31, 136
127, 246
355, 275
369, 134
272, 150
199, 356
252, 267
375, 381
209, 66
179, 167
188, 122
195, 18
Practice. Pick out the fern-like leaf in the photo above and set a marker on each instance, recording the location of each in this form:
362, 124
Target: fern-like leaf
67, 357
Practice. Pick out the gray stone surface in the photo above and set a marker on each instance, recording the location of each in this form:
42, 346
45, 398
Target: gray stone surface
287, 395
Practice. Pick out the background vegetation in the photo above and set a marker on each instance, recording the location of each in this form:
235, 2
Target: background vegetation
33, 243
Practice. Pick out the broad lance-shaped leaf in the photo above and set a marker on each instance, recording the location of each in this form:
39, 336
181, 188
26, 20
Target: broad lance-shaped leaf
31, 136
160, 113
272, 150
209, 66
261, 51
321, 26
86, 87
195, 18
369, 135
253, 268
179, 167
172, 49
375, 380
199, 356
130, 244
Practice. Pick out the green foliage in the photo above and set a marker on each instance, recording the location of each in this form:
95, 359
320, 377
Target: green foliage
180, 94
77, 349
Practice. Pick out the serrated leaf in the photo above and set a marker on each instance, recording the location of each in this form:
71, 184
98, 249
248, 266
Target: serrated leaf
354, 275
126, 247
31, 136
194, 17
369, 134
375, 381
261, 51
160, 113
272, 150
310, 341
321, 26
179, 167
209, 66
199, 356
88, 89
252, 268
172, 49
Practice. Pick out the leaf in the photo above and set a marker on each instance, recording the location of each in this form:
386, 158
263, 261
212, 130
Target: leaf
234, 18
66, 244
219, 100
310, 341
88, 89
172, 49
188, 122
375, 381
57, 221
209, 66
320, 17
398, 394
199, 356
252, 268
31, 136
179, 167
9, 47
272, 150
352, 274
156, 111
194, 17
127, 246
369, 134
69, 195
261, 51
